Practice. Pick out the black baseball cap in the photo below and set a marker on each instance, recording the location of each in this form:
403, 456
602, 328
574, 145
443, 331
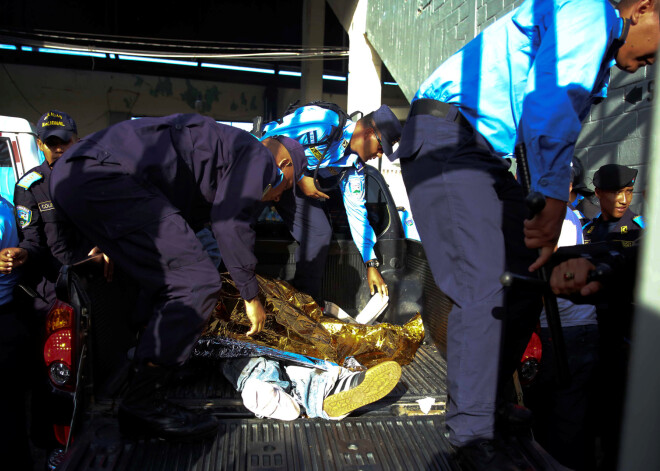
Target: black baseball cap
389, 126
613, 177
56, 123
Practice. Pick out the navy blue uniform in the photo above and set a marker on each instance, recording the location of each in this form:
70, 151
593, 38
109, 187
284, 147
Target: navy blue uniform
614, 325
49, 243
627, 229
141, 189
469, 213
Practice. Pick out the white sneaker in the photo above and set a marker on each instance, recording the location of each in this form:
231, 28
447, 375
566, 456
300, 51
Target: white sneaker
269, 400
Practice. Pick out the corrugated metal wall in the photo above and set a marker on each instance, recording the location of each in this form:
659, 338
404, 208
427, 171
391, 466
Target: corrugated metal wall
414, 36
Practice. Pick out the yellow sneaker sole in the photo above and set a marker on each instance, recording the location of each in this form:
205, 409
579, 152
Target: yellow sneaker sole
378, 382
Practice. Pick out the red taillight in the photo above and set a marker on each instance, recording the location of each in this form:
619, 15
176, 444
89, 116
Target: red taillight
59, 344
60, 316
58, 347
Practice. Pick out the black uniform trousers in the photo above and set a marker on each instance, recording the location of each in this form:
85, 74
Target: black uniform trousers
308, 223
144, 234
469, 211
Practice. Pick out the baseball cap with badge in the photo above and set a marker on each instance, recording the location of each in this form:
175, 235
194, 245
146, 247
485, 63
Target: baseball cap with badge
56, 123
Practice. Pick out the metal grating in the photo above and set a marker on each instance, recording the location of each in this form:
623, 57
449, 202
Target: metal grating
385, 443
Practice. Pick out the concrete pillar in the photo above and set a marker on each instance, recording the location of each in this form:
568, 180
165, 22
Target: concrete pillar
364, 86
364, 92
313, 29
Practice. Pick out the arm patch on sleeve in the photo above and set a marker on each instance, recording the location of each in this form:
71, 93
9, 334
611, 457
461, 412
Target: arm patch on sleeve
24, 216
355, 187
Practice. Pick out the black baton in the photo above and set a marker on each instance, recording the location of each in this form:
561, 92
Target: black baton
536, 202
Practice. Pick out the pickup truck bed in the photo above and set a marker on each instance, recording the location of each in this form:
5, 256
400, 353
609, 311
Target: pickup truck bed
392, 433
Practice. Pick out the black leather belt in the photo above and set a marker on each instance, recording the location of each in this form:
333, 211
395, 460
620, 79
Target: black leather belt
438, 109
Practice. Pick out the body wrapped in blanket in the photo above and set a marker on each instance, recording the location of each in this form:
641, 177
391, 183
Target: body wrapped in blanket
303, 359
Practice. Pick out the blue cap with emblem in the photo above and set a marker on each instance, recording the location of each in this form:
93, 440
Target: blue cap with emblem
389, 127
56, 123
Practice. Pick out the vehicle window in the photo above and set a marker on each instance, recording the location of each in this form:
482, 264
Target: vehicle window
7, 176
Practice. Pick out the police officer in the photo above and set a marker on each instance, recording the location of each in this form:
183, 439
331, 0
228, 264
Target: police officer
343, 157
529, 78
614, 188
617, 222
140, 190
14, 445
45, 244
581, 198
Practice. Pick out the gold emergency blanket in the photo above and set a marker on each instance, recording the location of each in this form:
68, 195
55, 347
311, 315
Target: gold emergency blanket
295, 323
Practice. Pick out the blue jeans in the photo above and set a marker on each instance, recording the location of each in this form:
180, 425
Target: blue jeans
308, 386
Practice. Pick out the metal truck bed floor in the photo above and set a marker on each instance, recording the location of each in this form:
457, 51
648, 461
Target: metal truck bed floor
391, 434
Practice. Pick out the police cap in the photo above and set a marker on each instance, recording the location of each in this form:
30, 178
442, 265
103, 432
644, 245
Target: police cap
56, 123
389, 126
614, 177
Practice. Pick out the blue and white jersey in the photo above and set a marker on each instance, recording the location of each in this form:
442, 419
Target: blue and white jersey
313, 124
8, 238
310, 125
532, 77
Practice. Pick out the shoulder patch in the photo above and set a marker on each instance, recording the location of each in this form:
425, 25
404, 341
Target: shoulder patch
24, 216
29, 179
639, 220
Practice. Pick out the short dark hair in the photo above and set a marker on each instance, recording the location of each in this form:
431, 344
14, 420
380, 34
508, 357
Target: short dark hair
624, 4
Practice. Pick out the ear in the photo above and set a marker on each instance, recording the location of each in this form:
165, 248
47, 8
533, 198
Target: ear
285, 162
639, 9
41, 145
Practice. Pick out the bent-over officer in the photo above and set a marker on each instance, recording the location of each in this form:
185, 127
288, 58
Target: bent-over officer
140, 190
343, 157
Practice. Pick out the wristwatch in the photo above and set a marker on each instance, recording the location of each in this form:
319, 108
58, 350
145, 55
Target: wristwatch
372, 263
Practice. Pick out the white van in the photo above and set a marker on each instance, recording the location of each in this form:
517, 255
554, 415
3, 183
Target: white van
18, 153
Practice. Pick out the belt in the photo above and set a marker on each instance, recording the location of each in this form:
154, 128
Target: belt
438, 109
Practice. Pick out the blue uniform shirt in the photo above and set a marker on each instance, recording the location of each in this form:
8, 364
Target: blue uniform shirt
8, 238
532, 76
312, 124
